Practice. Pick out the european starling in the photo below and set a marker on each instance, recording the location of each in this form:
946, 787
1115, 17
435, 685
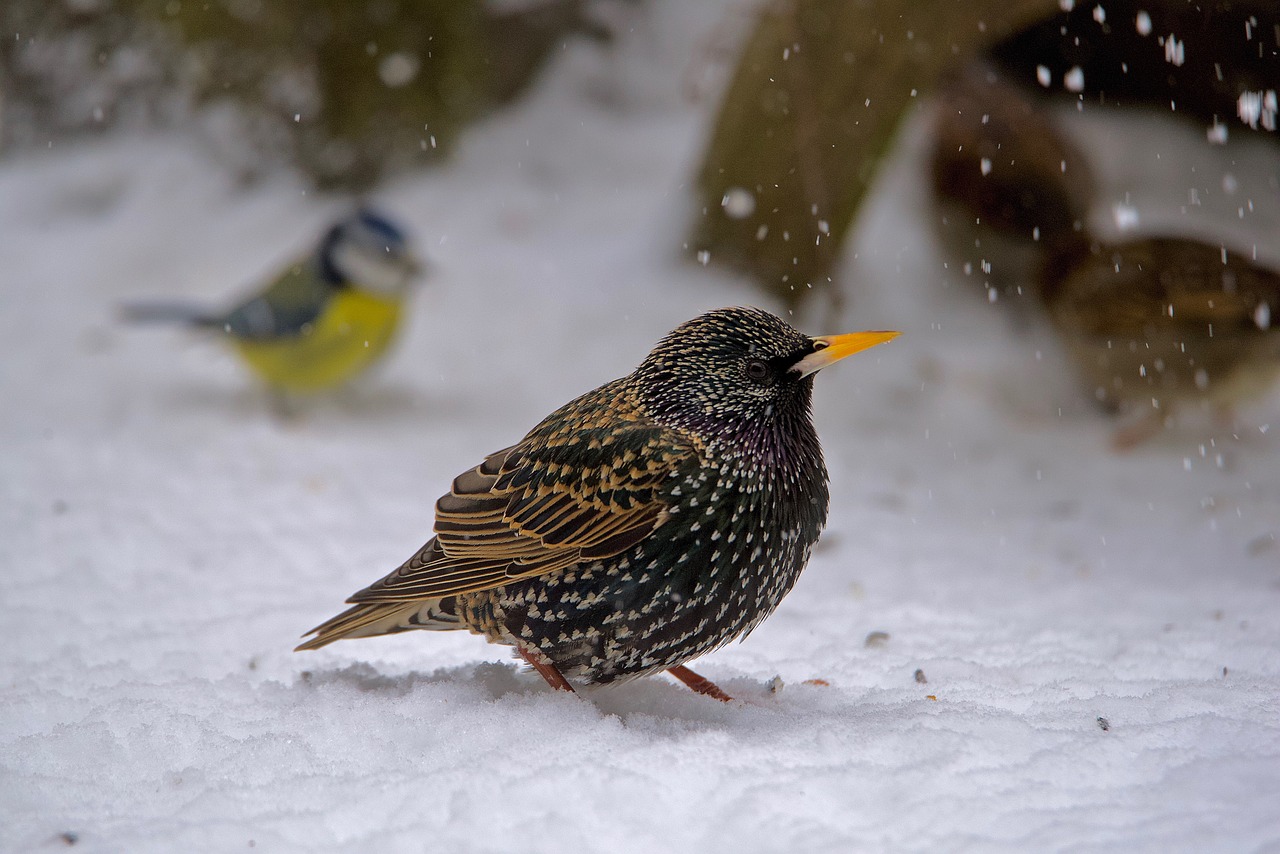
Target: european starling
1156, 323
639, 526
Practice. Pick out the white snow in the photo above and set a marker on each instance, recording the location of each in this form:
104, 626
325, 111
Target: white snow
164, 540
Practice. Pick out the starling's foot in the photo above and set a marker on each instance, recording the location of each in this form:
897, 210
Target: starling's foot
701, 684
546, 669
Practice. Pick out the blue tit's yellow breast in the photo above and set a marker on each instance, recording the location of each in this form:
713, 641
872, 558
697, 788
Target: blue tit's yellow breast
350, 334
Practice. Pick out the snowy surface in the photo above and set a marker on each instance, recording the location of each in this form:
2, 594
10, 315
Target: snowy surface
164, 540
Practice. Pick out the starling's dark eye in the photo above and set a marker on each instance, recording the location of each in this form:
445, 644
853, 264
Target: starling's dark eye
759, 371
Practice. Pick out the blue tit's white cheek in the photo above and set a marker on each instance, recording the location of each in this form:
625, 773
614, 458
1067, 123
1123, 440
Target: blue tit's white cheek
373, 269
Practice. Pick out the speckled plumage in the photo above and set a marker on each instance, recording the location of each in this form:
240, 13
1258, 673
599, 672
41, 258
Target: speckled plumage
637, 527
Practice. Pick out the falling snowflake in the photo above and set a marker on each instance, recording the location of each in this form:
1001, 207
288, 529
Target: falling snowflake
738, 203
1258, 107
1126, 216
1262, 316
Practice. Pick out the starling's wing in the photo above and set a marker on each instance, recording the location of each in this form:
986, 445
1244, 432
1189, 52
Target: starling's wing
557, 499
283, 310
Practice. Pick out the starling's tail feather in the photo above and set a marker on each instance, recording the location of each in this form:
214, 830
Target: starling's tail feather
159, 311
382, 618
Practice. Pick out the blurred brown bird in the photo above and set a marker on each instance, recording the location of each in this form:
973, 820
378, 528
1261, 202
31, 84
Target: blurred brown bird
1008, 185
1158, 323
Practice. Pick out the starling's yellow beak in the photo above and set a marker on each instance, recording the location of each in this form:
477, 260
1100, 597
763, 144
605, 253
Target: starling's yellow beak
829, 349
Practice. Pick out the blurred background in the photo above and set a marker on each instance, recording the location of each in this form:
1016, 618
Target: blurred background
1039, 119
1056, 498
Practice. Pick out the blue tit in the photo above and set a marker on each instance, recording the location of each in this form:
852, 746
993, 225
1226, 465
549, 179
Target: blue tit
323, 320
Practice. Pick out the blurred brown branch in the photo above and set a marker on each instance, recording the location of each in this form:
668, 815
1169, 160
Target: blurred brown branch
817, 95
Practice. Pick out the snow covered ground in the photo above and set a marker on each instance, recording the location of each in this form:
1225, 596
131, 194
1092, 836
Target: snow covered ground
1027, 641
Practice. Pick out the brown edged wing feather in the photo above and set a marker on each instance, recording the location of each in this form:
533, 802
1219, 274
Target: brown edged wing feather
583, 485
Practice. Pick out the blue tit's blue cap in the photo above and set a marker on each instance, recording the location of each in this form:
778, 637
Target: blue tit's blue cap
380, 226
364, 228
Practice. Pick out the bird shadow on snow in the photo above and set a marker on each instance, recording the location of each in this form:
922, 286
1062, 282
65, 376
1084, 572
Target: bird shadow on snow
385, 402
643, 703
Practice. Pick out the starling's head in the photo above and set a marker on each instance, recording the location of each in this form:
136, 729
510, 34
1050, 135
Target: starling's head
368, 251
740, 365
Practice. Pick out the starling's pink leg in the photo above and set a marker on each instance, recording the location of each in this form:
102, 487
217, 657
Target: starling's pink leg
546, 669
701, 684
